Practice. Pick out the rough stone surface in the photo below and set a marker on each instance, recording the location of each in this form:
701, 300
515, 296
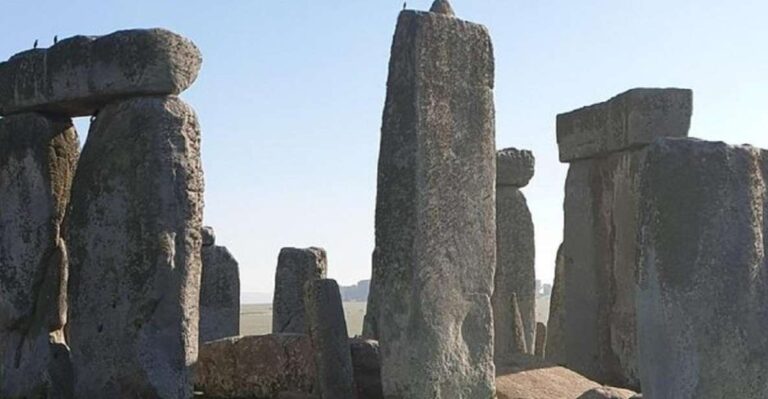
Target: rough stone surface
514, 167
607, 393
295, 267
515, 274
263, 366
134, 246
528, 377
219, 294
442, 7
435, 253
38, 156
631, 119
79, 75
209, 236
703, 286
366, 360
555, 347
518, 343
541, 339
328, 334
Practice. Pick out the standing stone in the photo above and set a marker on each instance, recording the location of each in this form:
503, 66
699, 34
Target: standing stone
82, 74
555, 346
366, 360
219, 291
38, 155
703, 285
541, 339
515, 253
328, 334
295, 267
134, 235
435, 253
606, 145
518, 343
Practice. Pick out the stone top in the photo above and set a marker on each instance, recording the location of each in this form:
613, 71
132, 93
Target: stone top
81, 74
442, 7
209, 236
631, 119
514, 167
420, 47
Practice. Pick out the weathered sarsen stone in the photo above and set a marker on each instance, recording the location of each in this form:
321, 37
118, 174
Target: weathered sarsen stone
295, 267
435, 253
328, 333
80, 75
600, 225
134, 237
515, 253
366, 360
555, 343
219, 291
38, 155
541, 339
703, 286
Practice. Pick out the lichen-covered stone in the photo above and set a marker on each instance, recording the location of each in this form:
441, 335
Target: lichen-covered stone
219, 294
79, 75
295, 267
631, 119
514, 167
134, 244
366, 361
541, 339
262, 366
555, 346
435, 253
38, 155
515, 272
703, 286
328, 333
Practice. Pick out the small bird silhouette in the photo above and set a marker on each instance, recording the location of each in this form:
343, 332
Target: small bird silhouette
405, 4
55, 39
35, 45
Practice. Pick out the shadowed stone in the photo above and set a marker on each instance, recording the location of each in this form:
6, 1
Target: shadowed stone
703, 285
518, 344
435, 253
601, 207
555, 346
541, 339
134, 240
295, 267
366, 361
442, 7
209, 236
82, 74
263, 366
515, 254
219, 293
38, 155
328, 333
633, 118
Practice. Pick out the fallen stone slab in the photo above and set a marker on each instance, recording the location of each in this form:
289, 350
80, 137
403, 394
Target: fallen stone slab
219, 292
634, 118
703, 293
134, 239
514, 167
260, 366
38, 156
295, 267
80, 75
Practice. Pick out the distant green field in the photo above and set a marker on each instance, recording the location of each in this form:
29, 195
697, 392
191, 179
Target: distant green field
257, 319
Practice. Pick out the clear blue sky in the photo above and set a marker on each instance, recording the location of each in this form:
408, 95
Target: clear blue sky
291, 93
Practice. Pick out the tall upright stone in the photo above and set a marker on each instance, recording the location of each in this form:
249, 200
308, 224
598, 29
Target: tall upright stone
295, 267
541, 339
703, 285
219, 291
518, 343
38, 155
327, 331
134, 238
605, 145
555, 343
435, 255
515, 253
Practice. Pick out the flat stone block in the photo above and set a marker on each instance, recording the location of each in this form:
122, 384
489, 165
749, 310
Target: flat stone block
514, 167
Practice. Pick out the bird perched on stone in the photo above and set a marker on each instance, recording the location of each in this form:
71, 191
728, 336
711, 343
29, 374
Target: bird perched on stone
55, 39
35, 45
442, 7
405, 4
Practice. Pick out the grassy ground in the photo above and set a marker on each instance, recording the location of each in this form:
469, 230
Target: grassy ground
257, 319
